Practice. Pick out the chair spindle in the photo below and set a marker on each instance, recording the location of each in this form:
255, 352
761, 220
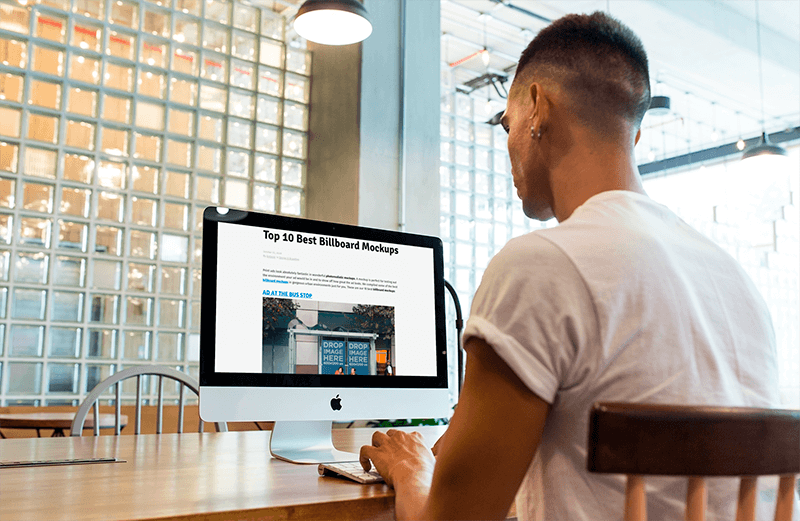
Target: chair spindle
117, 408
696, 499
160, 419
746, 511
785, 503
96, 417
138, 419
635, 499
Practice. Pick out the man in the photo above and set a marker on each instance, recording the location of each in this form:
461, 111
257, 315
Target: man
620, 302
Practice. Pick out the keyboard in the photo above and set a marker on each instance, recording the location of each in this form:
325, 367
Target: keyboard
350, 470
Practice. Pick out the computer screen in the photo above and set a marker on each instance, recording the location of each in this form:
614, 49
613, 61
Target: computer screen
308, 321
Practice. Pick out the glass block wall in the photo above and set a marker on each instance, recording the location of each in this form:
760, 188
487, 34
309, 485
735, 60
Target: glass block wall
120, 120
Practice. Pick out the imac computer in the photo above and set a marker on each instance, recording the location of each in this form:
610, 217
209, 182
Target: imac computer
305, 323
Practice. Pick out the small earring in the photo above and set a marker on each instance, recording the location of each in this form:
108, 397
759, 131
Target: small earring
539, 134
535, 133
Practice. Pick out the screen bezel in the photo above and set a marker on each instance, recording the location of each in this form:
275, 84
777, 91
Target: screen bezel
209, 377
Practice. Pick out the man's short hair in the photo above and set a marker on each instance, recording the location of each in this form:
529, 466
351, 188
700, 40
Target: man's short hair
599, 62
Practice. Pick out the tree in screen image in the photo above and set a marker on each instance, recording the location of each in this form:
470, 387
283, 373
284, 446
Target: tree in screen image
374, 319
277, 311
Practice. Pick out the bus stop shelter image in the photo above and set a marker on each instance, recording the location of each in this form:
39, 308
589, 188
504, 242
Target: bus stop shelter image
352, 345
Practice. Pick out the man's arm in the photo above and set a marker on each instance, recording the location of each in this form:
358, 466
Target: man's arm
490, 443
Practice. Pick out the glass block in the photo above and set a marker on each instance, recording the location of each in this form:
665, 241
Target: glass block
192, 7
40, 162
114, 142
82, 101
295, 116
69, 271
111, 174
239, 133
80, 134
244, 45
139, 311
297, 88
463, 155
91, 8
24, 378
148, 148
463, 204
272, 25
108, 240
243, 75
179, 153
11, 87
483, 135
209, 158
187, 30
245, 17
482, 158
9, 157
45, 94
292, 173
183, 91
75, 201
271, 53
72, 235
96, 373
181, 122
177, 184
102, 344
49, 26
483, 232
37, 197
110, 206
174, 248
270, 81
106, 274
213, 98
150, 115
145, 178
137, 345
298, 60
87, 36
116, 109
156, 22
186, 61
154, 53
153, 84
176, 216
125, 13
31, 267
198, 220
210, 128
65, 342
264, 198
5, 262
26, 341
173, 280
143, 244
62, 378
265, 168
6, 232
482, 183
121, 45
13, 53
14, 18
118, 77
197, 253
207, 189
34, 232
171, 313
43, 128
170, 347
140, 277
78, 168
7, 190
215, 37
104, 308
238, 163
291, 202
214, 67
266, 139
67, 306
294, 144
464, 130
84, 68
11, 119
268, 110
143, 211
196, 282
28, 304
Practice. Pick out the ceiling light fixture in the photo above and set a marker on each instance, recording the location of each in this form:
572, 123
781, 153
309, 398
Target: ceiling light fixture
659, 106
763, 148
333, 22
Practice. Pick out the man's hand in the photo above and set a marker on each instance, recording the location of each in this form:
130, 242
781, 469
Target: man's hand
397, 456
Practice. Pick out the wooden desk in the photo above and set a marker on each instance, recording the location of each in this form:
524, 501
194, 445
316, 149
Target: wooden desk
58, 421
210, 476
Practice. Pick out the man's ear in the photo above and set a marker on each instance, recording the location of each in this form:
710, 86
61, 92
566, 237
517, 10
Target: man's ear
540, 109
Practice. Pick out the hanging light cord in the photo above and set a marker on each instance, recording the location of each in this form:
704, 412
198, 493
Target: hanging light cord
760, 71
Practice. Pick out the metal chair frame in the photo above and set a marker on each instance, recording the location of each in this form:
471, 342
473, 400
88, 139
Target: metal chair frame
91, 400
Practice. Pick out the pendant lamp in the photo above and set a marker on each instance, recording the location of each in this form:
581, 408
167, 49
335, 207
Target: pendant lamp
763, 148
332, 22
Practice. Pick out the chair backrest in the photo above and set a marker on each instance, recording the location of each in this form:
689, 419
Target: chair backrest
696, 441
116, 380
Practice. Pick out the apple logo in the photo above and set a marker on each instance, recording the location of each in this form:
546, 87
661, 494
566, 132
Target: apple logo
336, 403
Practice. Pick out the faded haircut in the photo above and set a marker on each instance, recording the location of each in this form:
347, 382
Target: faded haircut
599, 63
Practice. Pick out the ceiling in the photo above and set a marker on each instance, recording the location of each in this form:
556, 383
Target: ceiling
703, 55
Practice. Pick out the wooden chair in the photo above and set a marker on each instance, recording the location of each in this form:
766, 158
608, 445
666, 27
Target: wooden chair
696, 441
116, 380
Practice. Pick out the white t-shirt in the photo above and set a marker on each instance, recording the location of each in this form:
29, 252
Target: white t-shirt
623, 301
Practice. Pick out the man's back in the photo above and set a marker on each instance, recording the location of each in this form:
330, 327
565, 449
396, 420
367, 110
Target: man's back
621, 302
